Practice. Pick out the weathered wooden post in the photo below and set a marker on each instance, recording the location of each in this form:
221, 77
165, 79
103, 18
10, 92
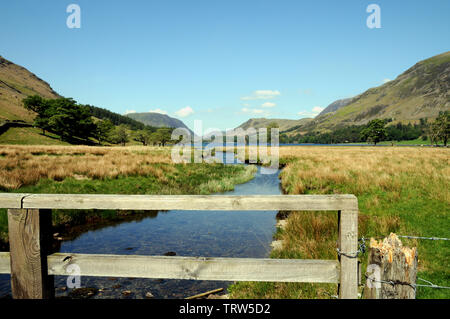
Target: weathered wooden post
348, 246
391, 270
30, 241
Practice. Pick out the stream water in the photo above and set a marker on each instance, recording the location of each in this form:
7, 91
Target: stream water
187, 233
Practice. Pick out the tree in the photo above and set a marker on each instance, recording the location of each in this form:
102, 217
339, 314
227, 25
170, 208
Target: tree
68, 119
40, 106
162, 136
142, 136
103, 130
439, 130
62, 116
120, 135
375, 131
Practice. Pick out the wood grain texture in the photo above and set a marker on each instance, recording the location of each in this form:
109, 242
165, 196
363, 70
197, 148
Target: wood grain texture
189, 202
348, 246
390, 261
198, 268
11, 200
28, 239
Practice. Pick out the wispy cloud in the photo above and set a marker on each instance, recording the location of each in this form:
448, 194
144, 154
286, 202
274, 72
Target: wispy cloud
262, 95
314, 112
255, 111
387, 80
268, 104
129, 112
184, 112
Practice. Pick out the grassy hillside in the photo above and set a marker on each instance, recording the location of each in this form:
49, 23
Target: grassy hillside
17, 83
420, 92
29, 136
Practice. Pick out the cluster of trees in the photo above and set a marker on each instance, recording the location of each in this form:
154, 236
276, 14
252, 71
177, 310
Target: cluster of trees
160, 136
115, 118
74, 122
377, 130
62, 116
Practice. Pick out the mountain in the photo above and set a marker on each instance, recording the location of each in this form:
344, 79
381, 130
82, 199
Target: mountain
157, 120
337, 105
422, 91
16, 83
283, 124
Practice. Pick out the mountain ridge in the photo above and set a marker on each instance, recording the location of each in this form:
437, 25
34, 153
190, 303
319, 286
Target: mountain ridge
422, 91
157, 120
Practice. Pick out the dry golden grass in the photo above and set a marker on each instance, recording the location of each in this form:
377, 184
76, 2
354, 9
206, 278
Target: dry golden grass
26, 165
405, 190
359, 170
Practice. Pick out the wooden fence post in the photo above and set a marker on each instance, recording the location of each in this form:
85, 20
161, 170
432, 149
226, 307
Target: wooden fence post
391, 270
348, 246
29, 240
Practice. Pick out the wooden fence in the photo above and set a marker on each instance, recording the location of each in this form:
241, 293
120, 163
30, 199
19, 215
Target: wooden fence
32, 267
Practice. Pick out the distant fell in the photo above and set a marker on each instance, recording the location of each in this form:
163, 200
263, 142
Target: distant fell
336, 105
157, 120
422, 91
283, 124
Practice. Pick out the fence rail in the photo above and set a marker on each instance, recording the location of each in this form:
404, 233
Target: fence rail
32, 266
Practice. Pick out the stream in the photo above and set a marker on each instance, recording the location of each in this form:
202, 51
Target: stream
245, 234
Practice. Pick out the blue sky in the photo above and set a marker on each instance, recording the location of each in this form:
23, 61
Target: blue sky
221, 62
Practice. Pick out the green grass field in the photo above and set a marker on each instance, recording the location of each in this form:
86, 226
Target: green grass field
405, 190
29, 136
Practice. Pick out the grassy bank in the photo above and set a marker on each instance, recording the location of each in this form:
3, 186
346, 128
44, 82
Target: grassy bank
99, 170
402, 190
29, 136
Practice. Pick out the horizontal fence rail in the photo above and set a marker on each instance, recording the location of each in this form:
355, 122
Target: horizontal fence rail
180, 202
31, 266
192, 268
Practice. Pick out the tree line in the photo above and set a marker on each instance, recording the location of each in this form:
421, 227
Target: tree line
378, 130
74, 122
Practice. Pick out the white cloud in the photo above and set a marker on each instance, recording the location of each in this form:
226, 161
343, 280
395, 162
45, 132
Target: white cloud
186, 111
255, 111
317, 109
158, 111
314, 112
129, 112
387, 80
262, 95
268, 104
